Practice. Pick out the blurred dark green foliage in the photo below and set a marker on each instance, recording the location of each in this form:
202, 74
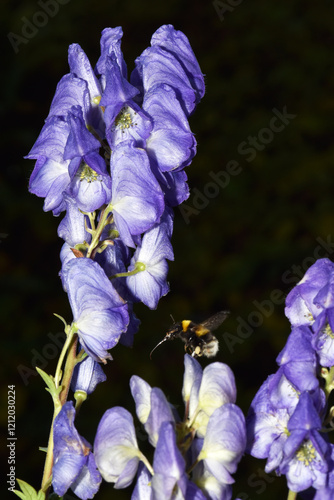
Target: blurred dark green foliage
253, 237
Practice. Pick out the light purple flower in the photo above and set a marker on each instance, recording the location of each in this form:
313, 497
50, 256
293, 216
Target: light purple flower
74, 465
306, 451
137, 200
150, 284
115, 448
224, 442
99, 313
171, 144
170, 60
86, 375
169, 466
298, 360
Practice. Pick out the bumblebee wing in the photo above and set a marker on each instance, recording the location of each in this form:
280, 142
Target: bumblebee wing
215, 320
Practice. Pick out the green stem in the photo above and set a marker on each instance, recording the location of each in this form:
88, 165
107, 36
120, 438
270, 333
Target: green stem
139, 267
97, 233
62, 355
46, 479
146, 462
70, 346
329, 382
68, 370
292, 495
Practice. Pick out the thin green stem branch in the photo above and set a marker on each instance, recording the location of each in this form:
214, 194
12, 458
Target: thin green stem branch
292, 495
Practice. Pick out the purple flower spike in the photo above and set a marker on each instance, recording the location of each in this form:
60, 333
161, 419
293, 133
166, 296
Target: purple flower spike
99, 313
115, 447
74, 464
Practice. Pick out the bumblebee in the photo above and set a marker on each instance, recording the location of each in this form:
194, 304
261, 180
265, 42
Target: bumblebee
197, 337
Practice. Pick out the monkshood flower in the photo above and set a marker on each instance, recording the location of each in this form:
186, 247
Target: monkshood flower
171, 144
91, 106
74, 464
99, 314
116, 449
187, 463
86, 375
170, 60
298, 360
311, 302
137, 201
306, 451
112, 154
150, 284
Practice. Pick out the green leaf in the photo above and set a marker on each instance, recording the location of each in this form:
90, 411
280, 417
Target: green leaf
28, 492
48, 379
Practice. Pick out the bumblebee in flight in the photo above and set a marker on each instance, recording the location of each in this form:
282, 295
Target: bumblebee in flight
198, 337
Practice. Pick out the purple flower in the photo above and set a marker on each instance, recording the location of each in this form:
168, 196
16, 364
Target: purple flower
50, 176
137, 200
87, 374
224, 442
215, 389
152, 407
306, 452
80, 67
111, 46
115, 448
74, 465
267, 427
150, 284
170, 60
71, 91
298, 360
91, 183
118, 92
171, 145
177, 43
143, 488
100, 315
169, 466
312, 294
72, 228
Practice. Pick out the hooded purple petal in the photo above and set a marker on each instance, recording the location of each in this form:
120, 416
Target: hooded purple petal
98, 311
115, 448
137, 199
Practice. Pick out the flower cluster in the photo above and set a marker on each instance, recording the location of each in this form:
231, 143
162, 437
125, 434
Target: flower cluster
112, 155
193, 458
290, 417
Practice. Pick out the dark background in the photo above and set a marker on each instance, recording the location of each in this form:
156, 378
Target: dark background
257, 234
